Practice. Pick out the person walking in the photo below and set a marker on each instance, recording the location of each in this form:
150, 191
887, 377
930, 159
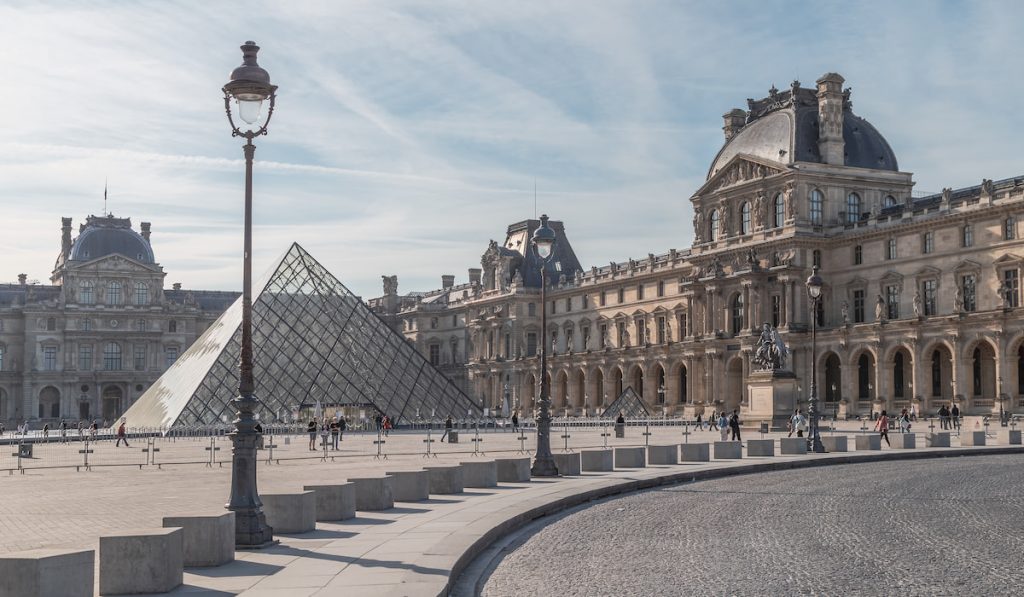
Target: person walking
385, 424
122, 435
713, 421
46, 431
93, 429
699, 423
955, 414
515, 421
81, 429
63, 431
311, 430
342, 425
904, 421
882, 427
799, 423
734, 425
335, 432
723, 426
447, 427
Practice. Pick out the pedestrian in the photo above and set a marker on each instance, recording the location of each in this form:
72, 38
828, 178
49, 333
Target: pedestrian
122, 435
385, 424
311, 430
734, 425
80, 430
882, 426
955, 414
447, 427
723, 426
342, 425
699, 423
904, 421
2, 429
63, 431
92, 431
913, 412
258, 428
515, 421
799, 423
335, 432
46, 431
713, 421
943, 417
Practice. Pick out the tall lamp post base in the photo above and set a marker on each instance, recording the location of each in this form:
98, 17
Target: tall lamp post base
251, 529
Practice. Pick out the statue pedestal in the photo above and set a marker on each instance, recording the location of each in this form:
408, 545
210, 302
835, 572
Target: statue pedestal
690, 411
771, 396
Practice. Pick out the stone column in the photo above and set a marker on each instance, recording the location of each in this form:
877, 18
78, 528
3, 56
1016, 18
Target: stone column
748, 312
689, 316
784, 306
848, 384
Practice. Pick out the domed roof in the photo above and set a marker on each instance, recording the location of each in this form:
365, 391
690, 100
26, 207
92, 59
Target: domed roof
102, 236
786, 131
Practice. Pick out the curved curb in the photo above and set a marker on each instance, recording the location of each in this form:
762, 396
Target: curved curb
461, 548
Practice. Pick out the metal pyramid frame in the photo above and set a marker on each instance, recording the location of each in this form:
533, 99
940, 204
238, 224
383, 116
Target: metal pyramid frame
629, 403
313, 341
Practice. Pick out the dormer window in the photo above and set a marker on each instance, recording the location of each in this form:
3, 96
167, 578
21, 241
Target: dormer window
715, 221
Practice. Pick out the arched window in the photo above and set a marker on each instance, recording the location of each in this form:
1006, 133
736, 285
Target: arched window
779, 208
737, 313
141, 294
852, 208
112, 357
682, 381
889, 201
864, 377
745, 218
714, 221
897, 374
816, 201
114, 296
85, 293
936, 373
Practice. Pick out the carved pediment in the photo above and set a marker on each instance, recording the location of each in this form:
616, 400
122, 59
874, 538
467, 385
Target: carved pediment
857, 282
928, 271
741, 169
1008, 259
117, 262
967, 266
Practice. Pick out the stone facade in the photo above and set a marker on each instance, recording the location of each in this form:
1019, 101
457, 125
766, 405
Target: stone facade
87, 345
921, 304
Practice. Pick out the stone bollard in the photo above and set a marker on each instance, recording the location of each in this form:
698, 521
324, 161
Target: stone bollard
568, 464
789, 446
937, 440
410, 486
206, 540
513, 470
445, 479
597, 460
972, 438
662, 454
373, 493
48, 573
290, 512
336, 501
630, 458
904, 441
728, 450
453, 437
760, 447
868, 442
834, 443
695, 452
1008, 437
479, 473
125, 555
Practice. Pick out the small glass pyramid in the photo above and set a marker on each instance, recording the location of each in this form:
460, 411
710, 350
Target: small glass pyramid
628, 403
313, 340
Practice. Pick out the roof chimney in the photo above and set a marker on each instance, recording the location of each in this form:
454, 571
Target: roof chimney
65, 239
447, 281
735, 119
176, 286
22, 279
145, 230
474, 275
830, 119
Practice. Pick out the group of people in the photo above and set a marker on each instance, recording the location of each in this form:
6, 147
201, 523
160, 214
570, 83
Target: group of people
63, 428
333, 428
721, 422
949, 418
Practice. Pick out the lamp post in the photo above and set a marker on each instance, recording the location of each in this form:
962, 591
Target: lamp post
814, 284
543, 462
249, 86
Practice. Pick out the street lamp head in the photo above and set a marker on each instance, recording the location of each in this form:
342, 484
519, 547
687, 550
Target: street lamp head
544, 238
249, 85
814, 284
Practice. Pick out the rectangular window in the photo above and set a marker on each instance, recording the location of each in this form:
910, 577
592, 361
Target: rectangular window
554, 307
890, 249
508, 346
172, 355
776, 310
930, 296
858, 306
140, 358
1011, 279
49, 358
531, 309
85, 357
641, 332
661, 288
531, 344
970, 293
858, 255
604, 298
892, 301
661, 330
435, 354
86, 325
1010, 228
622, 295
928, 242
640, 292
455, 320
568, 304
683, 331
968, 236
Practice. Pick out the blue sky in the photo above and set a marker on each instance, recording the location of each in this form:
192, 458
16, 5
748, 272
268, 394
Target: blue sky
408, 134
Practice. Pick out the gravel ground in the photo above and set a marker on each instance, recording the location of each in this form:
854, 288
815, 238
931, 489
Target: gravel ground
934, 527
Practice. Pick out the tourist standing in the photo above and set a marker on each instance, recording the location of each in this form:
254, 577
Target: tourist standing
955, 414
943, 417
723, 426
447, 427
734, 425
342, 425
311, 430
799, 423
46, 431
882, 426
385, 424
63, 431
122, 435
335, 432
515, 421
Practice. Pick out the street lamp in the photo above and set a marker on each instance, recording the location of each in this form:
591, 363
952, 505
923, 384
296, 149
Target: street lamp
814, 284
249, 86
544, 462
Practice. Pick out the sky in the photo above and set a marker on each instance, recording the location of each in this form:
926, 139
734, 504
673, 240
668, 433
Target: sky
409, 134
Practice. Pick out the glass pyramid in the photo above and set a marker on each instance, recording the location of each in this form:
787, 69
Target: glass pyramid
313, 340
628, 403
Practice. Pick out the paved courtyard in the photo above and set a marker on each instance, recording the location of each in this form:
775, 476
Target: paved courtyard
935, 527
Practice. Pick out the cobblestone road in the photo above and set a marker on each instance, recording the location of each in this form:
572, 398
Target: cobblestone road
936, 527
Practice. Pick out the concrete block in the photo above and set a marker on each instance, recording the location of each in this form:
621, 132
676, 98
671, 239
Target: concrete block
868, 442
834, 443
141, 561
48, 573
972, 438
409, 486
695, 452
1008, 437
663, 454
568, 463
479, 473
445, 479
597, 460
728, 450
792, 445
290, 512
513, 470
630, 458
373, 493
904, 441
336, 501
206, 540
453, 437
760, 447
937, 440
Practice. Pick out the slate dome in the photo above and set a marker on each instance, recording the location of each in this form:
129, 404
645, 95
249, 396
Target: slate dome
102, 236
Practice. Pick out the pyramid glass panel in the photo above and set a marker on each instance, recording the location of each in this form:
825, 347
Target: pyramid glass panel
313, 340
628, 403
